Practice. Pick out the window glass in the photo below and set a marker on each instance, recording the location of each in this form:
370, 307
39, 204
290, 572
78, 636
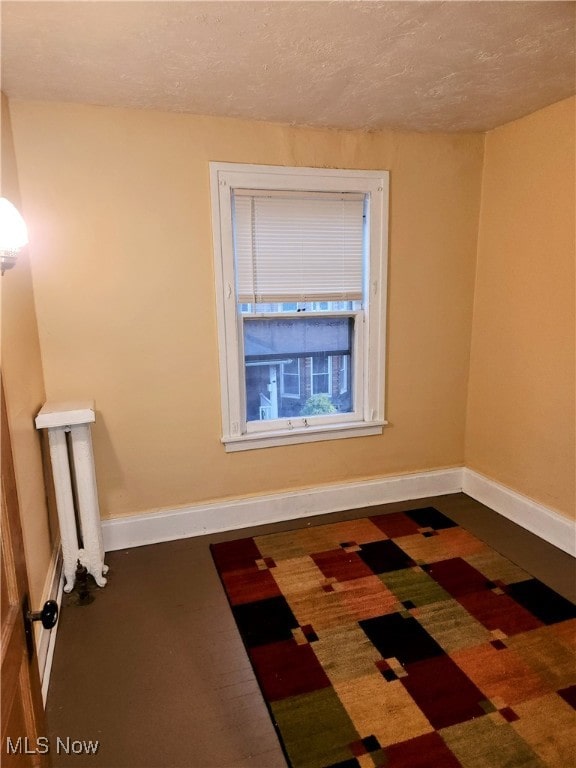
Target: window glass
289, 365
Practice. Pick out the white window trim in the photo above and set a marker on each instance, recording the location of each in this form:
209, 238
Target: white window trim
369, 371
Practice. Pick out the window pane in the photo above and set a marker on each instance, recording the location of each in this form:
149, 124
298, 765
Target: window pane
291, 378
300, 306
319, 365
320, 384
293, 366
343, 374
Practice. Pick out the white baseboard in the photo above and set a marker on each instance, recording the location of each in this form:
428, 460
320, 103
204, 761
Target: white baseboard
46, 638
534, 517
199, 519
196, 520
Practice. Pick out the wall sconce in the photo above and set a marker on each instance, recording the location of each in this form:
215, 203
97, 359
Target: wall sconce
13, 234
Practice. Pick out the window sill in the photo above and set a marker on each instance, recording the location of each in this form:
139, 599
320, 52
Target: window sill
307, 435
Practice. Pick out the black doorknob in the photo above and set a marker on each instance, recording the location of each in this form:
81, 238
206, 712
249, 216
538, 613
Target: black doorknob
48, 615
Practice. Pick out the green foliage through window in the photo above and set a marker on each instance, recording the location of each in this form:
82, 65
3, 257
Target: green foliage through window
318, 405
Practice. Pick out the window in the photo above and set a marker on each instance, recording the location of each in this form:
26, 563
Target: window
300, 262
291, 378
343, 374
321, 370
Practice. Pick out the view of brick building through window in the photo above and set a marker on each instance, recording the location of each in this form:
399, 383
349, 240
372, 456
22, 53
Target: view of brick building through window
297, 365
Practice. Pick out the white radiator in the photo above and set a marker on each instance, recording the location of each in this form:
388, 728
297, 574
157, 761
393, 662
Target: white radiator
72, 461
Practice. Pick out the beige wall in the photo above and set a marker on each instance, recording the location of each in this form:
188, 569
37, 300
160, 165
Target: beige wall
118, 204
24, 386
521, 421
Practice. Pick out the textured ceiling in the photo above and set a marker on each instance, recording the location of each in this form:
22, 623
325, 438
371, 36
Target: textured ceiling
425, 66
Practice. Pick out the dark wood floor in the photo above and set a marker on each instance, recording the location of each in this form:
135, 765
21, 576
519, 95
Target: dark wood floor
155, 670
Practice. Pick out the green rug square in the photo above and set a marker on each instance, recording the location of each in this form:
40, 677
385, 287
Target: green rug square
414, 585
316, 729
484, 743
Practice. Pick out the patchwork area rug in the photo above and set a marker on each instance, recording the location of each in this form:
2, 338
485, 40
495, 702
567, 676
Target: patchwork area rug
402, 641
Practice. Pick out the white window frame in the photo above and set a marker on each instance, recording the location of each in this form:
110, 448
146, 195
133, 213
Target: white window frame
368, 377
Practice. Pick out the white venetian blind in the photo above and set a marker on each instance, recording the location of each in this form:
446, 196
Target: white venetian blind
298, 246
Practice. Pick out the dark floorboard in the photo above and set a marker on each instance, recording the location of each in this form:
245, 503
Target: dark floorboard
155, 670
